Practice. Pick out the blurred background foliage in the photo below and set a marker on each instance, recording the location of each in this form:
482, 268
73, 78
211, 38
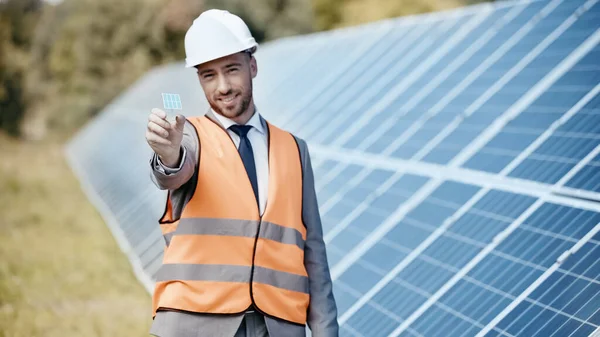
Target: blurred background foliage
60, 64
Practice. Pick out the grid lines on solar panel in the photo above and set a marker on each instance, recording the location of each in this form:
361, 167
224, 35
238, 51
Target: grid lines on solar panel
391, 148
433, 267
392, 124
556, 117
383, 65
307, 75
507, 271
566, 304
340, 89
367, 211
503, 82
395, 75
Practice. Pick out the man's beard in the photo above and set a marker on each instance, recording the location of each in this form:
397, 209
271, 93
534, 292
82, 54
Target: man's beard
242, 107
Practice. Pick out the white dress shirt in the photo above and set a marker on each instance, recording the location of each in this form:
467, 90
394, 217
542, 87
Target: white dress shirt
260, 148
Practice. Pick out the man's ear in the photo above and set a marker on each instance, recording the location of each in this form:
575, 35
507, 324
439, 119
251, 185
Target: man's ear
198, 74
253, 66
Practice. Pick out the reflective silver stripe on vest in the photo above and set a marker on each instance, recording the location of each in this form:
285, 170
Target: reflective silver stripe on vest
203, 272
281, 279
245, 228
209, 226
231, 273
287, 235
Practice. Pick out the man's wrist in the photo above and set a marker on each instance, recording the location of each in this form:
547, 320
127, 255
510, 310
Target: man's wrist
171, 162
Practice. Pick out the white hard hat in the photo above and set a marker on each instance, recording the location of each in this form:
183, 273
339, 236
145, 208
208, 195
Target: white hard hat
214, 34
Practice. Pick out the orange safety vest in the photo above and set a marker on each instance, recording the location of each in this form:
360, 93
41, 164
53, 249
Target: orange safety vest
221, 256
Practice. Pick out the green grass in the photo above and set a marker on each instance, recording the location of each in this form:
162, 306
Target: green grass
61, 271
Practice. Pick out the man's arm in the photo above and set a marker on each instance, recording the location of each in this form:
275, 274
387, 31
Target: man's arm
322, 311
167, 178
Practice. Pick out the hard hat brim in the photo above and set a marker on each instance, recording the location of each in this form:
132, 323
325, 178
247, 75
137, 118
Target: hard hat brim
191, 63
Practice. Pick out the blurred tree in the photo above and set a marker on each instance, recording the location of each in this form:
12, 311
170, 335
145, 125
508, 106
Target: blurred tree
17, 19
86, 51
330, 14
362, 11
270, 19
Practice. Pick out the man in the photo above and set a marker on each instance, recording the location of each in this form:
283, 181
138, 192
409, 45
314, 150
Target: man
244, 251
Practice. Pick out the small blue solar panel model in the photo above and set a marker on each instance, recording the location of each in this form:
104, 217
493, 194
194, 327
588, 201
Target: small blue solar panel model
171, 101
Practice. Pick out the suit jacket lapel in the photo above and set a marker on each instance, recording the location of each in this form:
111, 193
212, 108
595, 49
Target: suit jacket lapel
265, 127
210, 115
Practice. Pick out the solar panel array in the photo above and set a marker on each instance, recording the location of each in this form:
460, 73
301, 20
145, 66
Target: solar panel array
456, 159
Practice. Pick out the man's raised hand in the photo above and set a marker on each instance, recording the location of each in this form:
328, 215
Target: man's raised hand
164, 136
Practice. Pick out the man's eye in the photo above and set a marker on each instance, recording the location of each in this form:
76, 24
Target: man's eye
232, 70
208, 76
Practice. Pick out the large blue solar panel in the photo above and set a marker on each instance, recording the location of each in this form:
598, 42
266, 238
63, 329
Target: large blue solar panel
456, 158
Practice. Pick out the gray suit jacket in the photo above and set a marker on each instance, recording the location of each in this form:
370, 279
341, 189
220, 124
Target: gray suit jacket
322, 311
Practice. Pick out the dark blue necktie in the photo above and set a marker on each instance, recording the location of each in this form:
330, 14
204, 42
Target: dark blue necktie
245, 150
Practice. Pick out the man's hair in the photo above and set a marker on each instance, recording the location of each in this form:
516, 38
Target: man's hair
250, 52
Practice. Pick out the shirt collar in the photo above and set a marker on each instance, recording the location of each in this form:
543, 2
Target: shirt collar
255, 121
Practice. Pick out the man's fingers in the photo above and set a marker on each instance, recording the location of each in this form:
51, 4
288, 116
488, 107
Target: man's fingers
158, 130
153, 138
159, 121
159, 113
179, 122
